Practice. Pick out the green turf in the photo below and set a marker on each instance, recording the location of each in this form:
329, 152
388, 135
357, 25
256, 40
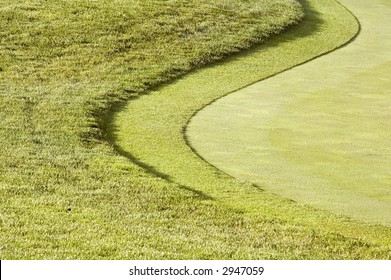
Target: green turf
66, 193
318, 133
150, 131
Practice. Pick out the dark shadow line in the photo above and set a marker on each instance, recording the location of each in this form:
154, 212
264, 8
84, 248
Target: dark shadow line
111, 137
107, 119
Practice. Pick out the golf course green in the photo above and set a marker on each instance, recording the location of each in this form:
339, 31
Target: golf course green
319, 133
106, 153
153, 130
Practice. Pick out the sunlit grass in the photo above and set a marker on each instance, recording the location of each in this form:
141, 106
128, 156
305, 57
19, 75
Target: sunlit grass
64, 191
67, 193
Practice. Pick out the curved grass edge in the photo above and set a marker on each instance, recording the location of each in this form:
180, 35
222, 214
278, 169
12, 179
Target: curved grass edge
262, 109
135, 120
185, 127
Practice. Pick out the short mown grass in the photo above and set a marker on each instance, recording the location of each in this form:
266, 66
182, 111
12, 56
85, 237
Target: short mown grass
318, 133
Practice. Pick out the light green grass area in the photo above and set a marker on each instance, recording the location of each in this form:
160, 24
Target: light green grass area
150, 130
319, 133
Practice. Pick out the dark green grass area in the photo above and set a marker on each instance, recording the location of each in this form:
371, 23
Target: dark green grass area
64, 191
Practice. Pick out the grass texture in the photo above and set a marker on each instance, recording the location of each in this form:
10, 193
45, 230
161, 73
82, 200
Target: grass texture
318, 133
150, 130
66, 193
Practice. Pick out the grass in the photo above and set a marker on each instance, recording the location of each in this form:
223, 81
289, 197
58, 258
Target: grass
66, 193
317, 134
150, 130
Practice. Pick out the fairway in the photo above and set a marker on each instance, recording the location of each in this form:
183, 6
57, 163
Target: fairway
319, 133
